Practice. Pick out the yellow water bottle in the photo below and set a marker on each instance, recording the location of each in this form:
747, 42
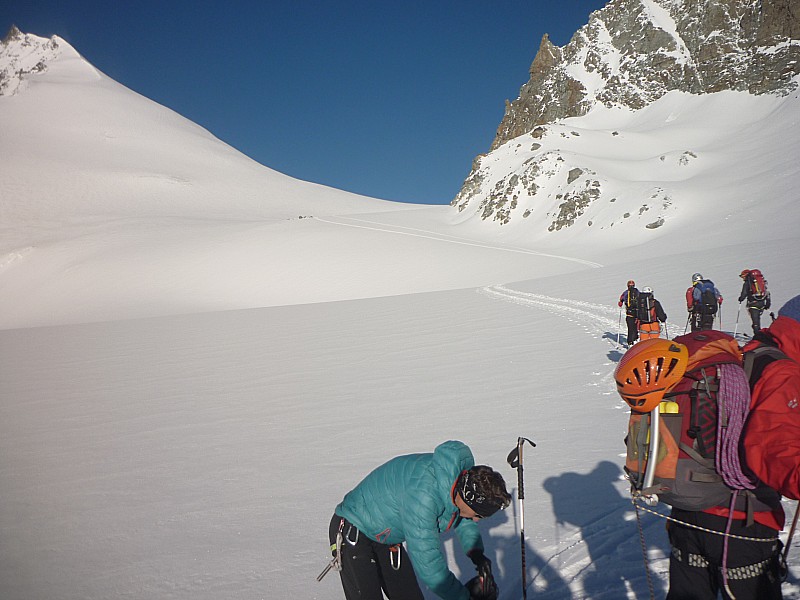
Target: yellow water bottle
668, 407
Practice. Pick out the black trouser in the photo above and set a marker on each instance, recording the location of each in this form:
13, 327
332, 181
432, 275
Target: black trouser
370, 569
633, 329
695, 565
755, 316
702, 320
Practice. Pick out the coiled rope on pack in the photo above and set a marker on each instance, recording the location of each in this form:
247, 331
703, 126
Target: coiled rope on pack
733, 406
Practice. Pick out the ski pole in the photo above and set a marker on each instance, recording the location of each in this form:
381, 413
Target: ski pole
736, 328
689, 318
619, 327
515, 461
789, 539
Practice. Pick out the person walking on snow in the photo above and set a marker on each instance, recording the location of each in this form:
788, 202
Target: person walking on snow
629, 299
754, 290
726, 515
702, 302
771, 446
650, 314
413, 499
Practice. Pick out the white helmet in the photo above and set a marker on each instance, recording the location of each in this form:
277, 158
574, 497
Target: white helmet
647, 290
696, 277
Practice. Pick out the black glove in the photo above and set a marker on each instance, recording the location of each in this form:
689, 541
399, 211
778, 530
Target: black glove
482, 564
480, 588
483, 586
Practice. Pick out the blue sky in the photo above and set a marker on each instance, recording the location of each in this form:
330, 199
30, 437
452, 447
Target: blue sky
387, 99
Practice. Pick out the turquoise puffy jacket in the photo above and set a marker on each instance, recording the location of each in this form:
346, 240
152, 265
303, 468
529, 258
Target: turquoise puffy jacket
409, 499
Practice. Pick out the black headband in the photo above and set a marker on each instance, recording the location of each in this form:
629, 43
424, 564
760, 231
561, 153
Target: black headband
475, 499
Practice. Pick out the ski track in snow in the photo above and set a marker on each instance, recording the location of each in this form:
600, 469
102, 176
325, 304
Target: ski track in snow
442, 237
596, 319
599, 544
571, 556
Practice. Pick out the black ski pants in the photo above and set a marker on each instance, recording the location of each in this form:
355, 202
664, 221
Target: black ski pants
633, 329
755, 317
695, 565
371, 569
702, 320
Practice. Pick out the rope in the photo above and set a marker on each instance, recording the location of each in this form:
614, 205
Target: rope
725, 546
674, 520
733, 401
644, 553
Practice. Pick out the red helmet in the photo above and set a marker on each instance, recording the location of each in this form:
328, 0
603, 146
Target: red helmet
744, 273
649, 370
631, 283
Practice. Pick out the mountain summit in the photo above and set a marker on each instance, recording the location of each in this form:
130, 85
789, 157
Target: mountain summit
22, 55
69, 130
630, 56
632, 52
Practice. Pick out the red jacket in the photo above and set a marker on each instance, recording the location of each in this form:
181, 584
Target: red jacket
772, 434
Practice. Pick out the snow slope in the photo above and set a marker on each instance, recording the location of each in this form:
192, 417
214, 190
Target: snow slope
192, 381
200, 456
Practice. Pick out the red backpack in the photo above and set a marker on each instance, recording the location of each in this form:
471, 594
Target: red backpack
687, 474
757, 284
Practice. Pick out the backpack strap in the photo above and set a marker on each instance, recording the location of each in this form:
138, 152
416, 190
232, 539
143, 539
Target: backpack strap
756, 360
704, 388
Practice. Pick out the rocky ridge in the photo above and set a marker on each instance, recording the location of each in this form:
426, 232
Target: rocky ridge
629, 55
23, 54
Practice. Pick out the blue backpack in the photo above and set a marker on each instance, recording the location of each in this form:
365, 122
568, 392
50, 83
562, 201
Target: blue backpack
708, 299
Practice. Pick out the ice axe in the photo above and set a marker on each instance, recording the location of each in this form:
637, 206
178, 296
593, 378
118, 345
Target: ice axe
515, 461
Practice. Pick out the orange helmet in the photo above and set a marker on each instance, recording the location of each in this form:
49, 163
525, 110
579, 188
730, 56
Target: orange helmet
649, 370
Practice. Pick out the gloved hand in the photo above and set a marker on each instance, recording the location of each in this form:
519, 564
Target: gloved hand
482, 564
619, 303
480, 588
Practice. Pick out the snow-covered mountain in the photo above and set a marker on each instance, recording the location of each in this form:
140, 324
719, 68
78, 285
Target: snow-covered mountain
92, 170
632, 124
187, 448
632, 52
69, 129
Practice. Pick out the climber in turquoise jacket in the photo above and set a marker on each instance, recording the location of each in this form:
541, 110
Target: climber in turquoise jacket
414, 499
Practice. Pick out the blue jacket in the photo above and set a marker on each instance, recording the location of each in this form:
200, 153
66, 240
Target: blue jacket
409, 499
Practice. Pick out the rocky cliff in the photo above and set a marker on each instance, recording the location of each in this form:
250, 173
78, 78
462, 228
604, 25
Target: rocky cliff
22, 54
630, 54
